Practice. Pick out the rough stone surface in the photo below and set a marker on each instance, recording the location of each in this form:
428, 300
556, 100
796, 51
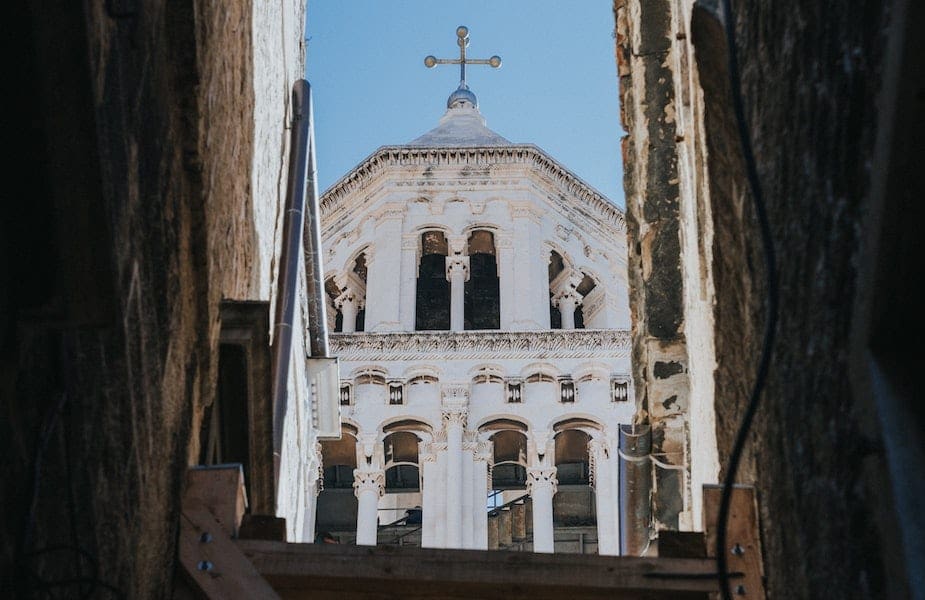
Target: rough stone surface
139, 138
811, 75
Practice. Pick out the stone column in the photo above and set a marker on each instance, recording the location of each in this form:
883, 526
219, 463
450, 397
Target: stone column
368, 485
457, 273
602, 478
504, 243
410, 246
468, 450
541, 484
481, 478
431, 488
455, 399
565, 297
455, 421
349, 305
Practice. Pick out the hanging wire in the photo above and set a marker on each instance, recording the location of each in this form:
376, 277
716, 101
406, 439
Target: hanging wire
751, 172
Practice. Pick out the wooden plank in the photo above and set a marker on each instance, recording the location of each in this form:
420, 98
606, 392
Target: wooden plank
212, 565
742, 537
301, 571
221, 489
681, 544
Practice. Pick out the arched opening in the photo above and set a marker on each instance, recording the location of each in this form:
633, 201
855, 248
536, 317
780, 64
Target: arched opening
584, 288
509, 461
432, 306
347, 295
401, 504
482, 290
556, 266
335, 318
401, 462
337, 505
573, 504
359, 269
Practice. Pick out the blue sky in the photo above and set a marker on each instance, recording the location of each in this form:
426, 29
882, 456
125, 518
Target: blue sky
557, 87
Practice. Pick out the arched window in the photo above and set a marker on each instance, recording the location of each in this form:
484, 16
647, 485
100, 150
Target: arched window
337, 504
573, 504
509, 470
584, 288
556, 266
432, 307
347, 293
482, 292
401, 462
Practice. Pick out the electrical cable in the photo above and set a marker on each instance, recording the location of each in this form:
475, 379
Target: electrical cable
751, 171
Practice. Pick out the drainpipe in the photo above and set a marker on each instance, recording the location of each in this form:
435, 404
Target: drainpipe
635, 488
287, 282
314, 272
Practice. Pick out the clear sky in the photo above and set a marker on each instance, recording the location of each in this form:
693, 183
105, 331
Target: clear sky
557, 87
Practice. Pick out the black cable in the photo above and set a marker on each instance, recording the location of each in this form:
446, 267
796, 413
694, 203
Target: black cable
751, 172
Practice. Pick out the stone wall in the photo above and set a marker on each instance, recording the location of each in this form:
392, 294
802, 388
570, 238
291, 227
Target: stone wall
811, 76
138, 128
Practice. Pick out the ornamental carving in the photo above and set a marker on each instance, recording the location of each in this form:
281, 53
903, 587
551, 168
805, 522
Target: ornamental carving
541, 478
546, 168
364, 481
446, 345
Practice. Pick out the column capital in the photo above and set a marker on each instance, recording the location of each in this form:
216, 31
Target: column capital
484, 452
350, 296
457, 263
542, 477
566, 294
367, 480
457, 415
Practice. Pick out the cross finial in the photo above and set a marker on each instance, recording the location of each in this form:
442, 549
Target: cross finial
462, 35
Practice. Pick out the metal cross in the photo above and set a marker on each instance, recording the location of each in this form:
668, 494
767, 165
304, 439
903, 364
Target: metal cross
462, 35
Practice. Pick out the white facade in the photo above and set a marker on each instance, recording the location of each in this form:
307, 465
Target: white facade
447, 213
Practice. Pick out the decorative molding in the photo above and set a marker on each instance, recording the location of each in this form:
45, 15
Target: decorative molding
435, 346
364, 481
542, 477
567, 183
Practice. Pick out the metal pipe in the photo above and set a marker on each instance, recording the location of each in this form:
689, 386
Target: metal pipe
287, 282
314, 271
635, 488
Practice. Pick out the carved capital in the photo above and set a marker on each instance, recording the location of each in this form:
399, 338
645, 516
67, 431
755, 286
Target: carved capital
349, 296
455, 416
457, 264
542, 478
365, 481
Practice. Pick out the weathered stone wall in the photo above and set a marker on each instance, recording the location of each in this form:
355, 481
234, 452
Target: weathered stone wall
811, 80
140, 139
811, 75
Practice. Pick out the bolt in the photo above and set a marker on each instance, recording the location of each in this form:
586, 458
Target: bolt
740, 590
205, 538
204, 565
738, 550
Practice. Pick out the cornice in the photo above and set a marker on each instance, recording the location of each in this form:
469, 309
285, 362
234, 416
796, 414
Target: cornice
426, 157
445, 345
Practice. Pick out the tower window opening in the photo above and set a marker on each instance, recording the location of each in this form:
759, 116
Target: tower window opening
482, 290
432, 306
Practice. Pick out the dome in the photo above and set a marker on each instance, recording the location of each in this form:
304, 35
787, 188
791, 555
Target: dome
462, 95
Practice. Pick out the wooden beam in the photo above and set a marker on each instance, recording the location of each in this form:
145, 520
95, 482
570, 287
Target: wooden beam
212, 565
744, 543
321, 571
220, 488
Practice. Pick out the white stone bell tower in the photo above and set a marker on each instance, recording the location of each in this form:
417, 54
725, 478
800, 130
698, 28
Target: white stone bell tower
479, 296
